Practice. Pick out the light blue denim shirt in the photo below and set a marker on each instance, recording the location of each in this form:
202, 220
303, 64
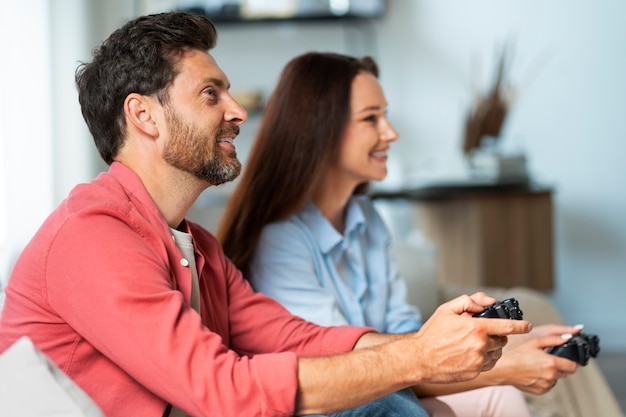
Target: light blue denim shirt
334, 279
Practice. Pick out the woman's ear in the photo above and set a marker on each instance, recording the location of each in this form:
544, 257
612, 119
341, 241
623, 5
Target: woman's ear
139, 111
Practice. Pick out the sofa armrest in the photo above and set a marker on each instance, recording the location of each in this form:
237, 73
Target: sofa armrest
417, 264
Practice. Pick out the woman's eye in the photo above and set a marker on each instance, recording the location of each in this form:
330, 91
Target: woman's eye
371, 118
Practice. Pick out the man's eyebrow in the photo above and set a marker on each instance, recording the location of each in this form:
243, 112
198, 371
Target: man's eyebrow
218, 82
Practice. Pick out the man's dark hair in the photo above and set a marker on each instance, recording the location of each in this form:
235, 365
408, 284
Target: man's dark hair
140, 57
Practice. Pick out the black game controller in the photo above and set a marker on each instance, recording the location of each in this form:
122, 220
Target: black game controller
579, 348
505, 309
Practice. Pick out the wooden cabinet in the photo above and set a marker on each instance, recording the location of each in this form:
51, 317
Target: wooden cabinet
488, 235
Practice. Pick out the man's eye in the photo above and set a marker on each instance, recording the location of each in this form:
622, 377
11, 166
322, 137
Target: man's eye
211, 92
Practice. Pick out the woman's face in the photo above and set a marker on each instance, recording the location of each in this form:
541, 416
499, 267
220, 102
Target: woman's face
366, 140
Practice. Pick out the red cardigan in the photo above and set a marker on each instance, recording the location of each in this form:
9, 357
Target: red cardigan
102, 291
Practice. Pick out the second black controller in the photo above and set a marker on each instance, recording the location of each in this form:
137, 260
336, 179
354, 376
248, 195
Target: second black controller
579, 348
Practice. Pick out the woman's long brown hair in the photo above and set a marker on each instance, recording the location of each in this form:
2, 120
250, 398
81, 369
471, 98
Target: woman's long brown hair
298, 139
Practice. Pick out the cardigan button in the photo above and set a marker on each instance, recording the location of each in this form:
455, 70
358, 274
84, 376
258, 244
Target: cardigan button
184, 262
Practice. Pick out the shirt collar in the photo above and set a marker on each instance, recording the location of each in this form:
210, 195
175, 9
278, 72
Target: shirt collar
325, 234
136, 190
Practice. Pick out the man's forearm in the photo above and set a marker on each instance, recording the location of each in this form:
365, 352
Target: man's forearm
334, 383
375, 339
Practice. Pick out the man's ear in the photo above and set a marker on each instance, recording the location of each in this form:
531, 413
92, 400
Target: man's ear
140, 112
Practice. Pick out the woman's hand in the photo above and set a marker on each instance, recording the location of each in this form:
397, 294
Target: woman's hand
527, 365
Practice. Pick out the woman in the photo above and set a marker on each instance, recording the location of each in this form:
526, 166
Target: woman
301, 229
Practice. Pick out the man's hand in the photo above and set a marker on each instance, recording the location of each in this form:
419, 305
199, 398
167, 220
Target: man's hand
453, 346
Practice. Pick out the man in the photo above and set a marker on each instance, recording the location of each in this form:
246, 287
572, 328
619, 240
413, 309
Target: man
142, 309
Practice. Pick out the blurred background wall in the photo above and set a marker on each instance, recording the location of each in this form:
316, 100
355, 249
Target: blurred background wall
569, 113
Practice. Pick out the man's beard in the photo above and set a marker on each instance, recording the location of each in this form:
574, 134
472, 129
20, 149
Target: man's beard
192, 151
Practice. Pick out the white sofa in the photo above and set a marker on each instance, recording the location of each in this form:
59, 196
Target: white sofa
584, 394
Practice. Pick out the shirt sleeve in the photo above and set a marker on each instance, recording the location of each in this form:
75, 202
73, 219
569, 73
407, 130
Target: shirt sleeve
288, 332
286, 267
